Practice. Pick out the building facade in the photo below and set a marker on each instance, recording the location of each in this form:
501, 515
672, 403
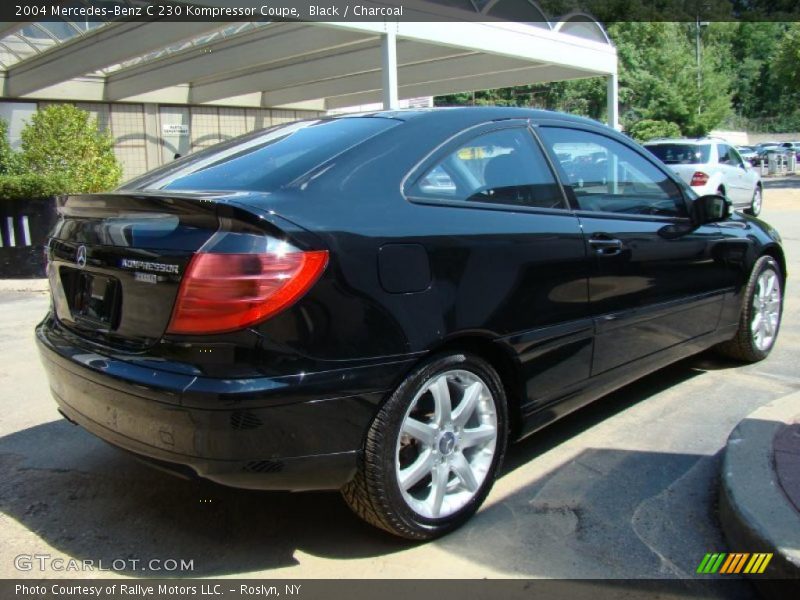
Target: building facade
148, 135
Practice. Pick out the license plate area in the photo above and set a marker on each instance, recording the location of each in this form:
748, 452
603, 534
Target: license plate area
93, 299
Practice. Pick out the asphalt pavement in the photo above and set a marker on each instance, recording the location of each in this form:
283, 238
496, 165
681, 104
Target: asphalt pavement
625, 488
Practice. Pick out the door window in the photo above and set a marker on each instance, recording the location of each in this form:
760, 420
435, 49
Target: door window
724, 154
736, 158
608, 176
500, 167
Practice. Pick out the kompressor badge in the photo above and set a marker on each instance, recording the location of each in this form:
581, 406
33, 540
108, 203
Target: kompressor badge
152, 267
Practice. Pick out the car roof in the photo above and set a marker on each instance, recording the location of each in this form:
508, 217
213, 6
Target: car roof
691, 141
471, 114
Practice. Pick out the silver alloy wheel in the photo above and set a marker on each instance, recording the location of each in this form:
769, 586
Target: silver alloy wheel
766, 310
446, 444
756, 205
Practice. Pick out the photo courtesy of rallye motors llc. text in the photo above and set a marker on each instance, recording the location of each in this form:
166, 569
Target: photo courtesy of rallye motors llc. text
143, 591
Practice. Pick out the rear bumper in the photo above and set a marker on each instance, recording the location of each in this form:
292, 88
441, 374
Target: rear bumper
704, 190
248, 440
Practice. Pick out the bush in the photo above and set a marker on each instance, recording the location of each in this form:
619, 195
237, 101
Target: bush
63, 143
9, 160
647, 129
31, 186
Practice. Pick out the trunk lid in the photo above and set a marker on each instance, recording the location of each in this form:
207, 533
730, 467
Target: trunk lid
116, 262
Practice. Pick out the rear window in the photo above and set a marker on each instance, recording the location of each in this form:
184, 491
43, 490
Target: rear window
265, 160
681, 154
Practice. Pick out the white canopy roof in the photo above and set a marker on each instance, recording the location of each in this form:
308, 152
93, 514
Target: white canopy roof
319, 65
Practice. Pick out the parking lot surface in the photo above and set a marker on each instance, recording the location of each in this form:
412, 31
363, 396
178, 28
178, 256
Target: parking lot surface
624, 488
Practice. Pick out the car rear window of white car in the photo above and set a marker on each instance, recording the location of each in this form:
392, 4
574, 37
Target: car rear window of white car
681, 154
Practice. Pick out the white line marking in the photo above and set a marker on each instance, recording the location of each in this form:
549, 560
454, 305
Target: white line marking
26, 230
12, 239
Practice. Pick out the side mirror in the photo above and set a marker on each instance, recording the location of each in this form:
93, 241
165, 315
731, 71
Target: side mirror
747, 166
710, 209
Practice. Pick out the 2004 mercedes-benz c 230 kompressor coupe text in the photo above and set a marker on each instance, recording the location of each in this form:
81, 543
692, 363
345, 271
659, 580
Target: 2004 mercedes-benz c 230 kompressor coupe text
379, 303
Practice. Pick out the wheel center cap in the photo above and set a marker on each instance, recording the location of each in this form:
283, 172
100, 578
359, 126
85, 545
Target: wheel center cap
447, 442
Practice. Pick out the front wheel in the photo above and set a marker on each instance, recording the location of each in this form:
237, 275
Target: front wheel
434, 449
761, 314
756, 202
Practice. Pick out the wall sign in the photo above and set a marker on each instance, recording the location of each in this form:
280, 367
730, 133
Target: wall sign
174, 129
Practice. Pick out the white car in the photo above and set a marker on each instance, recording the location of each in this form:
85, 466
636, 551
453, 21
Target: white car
712, 166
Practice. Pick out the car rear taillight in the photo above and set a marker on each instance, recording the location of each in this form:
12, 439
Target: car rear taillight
225, 292
699, 178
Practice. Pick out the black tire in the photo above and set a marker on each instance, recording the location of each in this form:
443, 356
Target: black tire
374, 494
743, 346
756, 203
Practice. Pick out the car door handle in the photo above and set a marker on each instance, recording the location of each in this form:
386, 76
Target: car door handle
606, 245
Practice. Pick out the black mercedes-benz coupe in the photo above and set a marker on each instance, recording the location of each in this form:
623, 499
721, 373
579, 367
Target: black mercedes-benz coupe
380, 303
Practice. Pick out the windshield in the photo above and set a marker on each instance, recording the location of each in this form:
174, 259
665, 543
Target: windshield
266, 160
681, 154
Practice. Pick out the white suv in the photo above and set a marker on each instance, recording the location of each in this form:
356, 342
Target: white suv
712, 166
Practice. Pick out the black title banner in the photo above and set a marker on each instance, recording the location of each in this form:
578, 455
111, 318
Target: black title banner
547, 12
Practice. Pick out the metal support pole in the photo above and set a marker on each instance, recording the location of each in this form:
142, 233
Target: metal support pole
389, 70
698, 29
697, 48
153, 138
612, 101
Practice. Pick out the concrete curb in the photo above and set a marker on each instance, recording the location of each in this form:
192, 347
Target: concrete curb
756, 515
23, 285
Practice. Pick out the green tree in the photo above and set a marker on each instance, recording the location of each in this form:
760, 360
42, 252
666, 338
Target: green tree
786, 68
659, 78
9, 160
64, 141
750, 51
648, 129
584, 97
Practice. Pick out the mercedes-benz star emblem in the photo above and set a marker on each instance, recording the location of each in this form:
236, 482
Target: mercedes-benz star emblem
80, 256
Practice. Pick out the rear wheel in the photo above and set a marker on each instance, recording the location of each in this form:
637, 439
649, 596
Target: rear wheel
434, 449
756, 202
761, 314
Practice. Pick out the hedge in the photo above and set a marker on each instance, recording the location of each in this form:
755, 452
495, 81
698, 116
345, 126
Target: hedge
31, 186
62, 151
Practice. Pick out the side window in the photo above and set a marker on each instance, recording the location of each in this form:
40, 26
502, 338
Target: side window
724, 154
608, 176
736, 158
500, 167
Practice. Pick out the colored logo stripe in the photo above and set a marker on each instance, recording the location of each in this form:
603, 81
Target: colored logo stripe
711, 562
733, 563
758, 563
732, 558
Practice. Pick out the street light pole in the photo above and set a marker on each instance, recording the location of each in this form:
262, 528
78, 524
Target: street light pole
697, 48
697, 29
